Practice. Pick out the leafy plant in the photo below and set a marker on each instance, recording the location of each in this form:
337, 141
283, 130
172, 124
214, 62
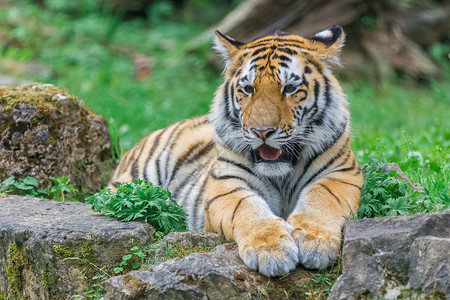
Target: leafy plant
141, 200
60, 186
319, 285
384, 195
27, 186
135, 251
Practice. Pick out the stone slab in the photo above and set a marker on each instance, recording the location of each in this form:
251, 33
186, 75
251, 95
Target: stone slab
58, 245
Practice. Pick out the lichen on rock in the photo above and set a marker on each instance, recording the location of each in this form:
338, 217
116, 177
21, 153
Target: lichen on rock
17, 262
44, 131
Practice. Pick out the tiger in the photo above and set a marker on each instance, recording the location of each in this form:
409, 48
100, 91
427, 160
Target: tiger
270, 167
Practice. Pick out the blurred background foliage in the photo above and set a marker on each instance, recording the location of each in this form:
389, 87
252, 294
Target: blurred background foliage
146, 64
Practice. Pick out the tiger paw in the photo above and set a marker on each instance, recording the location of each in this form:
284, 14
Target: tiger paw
269, 248
317, 246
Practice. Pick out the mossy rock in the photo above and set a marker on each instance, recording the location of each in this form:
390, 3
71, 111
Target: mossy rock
44, 131
53, 250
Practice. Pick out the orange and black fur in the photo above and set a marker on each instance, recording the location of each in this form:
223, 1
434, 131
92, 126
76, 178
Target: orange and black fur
271, 166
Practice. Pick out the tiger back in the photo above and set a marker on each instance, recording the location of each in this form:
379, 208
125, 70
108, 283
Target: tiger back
271, 166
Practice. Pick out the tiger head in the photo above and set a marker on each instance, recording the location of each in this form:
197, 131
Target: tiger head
280, 101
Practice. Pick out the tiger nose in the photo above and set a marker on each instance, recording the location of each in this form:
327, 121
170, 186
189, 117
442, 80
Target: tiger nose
263, 133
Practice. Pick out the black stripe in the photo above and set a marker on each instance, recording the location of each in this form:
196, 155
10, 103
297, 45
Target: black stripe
170, 142
187, 179
295, 76
283, 64
231, 100
331, 161
258, 58
196, 125
344, 182
262, 49
152, 151
221, 228
210, 201
180, 161
311, 60
339, 201
347, 157
185, 160
319, 119
307, 70
226, 177
237, 207
315, 107
283, 40
223, 159
204, 151
287, 51
284, 58
135, 167
198, 199
259, 44
351, 168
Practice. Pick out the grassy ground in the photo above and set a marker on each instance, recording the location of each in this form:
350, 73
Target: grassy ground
91, 51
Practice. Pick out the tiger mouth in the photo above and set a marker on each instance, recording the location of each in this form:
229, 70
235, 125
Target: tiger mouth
267, 154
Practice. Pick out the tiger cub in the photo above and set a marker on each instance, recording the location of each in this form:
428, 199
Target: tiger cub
271, 166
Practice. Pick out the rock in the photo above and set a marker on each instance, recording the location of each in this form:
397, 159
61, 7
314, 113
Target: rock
379, 260
220, 274
430, 266
51, 250
46, 132
192, 239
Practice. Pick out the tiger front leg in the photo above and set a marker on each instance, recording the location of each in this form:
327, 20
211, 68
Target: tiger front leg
319, 217
264, 240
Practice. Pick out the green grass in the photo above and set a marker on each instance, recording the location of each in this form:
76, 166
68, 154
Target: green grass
91, 51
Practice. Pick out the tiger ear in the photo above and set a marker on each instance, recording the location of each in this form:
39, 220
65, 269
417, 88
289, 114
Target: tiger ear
226, 46
328, 43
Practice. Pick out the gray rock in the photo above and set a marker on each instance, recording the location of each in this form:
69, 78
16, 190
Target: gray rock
45, 132
430, 266
193, 239
51, 250
376, 256
220, 274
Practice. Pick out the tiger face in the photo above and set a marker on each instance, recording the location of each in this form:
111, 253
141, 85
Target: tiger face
275, 102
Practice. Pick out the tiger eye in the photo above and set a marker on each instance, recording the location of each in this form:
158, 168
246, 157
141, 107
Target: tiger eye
289, 89
249, 89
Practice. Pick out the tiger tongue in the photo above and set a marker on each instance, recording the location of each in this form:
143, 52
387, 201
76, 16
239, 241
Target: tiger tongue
269, 153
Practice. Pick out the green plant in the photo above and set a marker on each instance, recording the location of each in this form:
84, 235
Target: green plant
319, 285
135, 251
60, 187
141, 200
96, 290
384, 195
26, 186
